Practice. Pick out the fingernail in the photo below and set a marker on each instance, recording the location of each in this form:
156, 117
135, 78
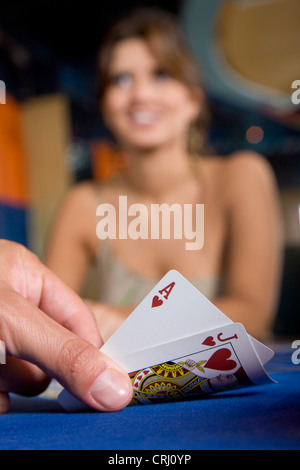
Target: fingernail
111, 390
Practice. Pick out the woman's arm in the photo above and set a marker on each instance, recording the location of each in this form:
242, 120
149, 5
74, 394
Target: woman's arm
253, 251
72, 242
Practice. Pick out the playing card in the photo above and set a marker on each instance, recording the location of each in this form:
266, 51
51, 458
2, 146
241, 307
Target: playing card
173, 309
224, 359
175, 322
233, 334
226, 351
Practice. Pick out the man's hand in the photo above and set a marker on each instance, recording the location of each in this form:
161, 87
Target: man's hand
49, 331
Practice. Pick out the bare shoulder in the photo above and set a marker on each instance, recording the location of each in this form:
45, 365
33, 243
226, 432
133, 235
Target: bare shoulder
77, 212
81, 194
247, 164
241, 172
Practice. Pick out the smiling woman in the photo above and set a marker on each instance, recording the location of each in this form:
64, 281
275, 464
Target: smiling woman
151, 99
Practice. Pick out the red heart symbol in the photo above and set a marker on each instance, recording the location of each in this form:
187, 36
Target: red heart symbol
156, 301
209, 341
220, 360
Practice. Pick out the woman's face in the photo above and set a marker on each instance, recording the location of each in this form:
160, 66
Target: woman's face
143, 106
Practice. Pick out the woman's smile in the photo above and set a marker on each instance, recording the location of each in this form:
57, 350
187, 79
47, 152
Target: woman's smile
143, 118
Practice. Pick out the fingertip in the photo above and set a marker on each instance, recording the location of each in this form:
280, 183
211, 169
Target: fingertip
111, 390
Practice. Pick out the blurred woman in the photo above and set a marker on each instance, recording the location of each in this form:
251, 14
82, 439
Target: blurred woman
152, 102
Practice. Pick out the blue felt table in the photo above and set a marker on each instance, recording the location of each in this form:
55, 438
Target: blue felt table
262, 417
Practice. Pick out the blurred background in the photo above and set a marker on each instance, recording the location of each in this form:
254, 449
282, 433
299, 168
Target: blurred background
51, 134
